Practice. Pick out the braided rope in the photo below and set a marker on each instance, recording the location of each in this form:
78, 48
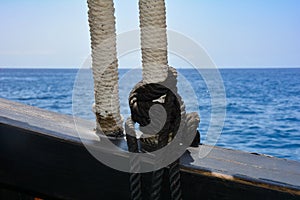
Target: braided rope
157, 178
135, 186
174, 178
153, 40
105, 66
135, 178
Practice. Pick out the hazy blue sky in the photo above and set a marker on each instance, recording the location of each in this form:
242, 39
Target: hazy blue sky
54, 33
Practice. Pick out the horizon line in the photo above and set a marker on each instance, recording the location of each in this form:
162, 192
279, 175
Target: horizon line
188, 67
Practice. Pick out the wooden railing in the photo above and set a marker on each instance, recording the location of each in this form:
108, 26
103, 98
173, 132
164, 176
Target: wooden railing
42, 155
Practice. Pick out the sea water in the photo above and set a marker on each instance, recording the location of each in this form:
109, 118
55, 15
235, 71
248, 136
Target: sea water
262, 105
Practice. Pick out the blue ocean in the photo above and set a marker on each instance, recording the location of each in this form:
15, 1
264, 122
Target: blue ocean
262, 105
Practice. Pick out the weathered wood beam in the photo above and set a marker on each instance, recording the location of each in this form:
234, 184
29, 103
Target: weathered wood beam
41, 153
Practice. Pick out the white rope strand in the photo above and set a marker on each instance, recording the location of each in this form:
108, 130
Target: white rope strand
153, 40
105, 66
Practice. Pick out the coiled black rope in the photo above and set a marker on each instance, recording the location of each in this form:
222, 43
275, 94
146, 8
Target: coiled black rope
142, 99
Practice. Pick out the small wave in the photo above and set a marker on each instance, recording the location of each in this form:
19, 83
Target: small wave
264, 145
254, 127
290, 146
247, 112
25, 98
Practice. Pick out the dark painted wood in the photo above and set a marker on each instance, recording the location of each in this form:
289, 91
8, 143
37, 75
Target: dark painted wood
41, 153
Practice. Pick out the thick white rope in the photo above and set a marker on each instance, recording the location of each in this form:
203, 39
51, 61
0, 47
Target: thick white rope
105, 65
154, 46
153, 40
